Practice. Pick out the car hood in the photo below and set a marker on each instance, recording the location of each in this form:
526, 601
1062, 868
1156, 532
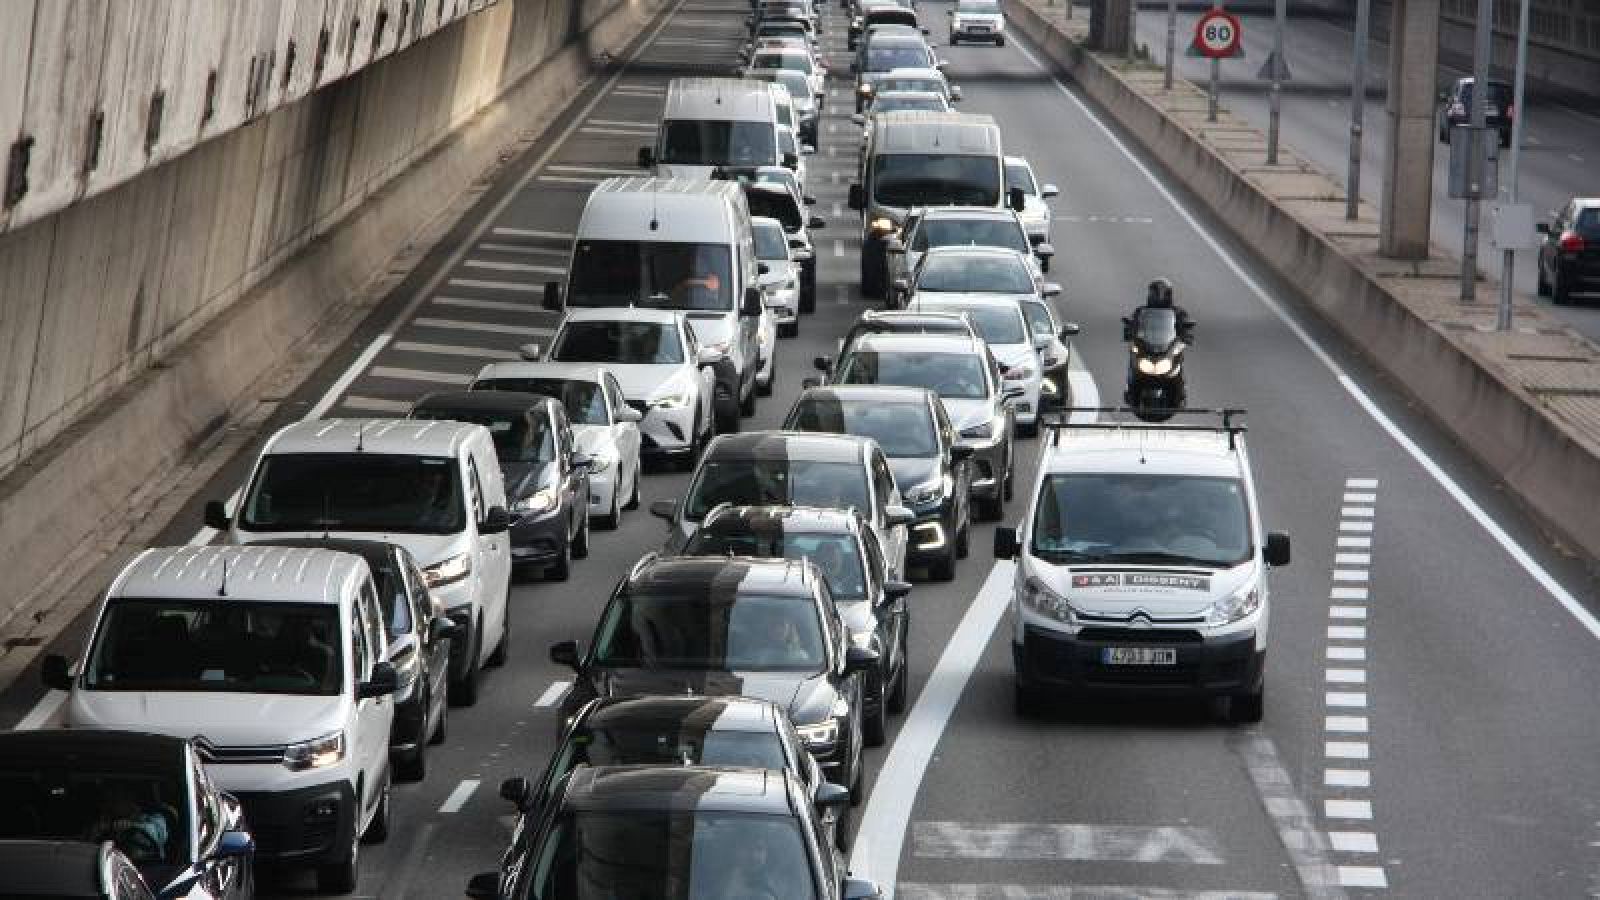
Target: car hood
427, 549
224, 719
800, 693
641, 382
910, 471
965, 412
523, 478
1014, 354
1165, 591
713, 327
593, 440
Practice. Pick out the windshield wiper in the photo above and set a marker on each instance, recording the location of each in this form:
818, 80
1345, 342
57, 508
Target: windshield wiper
1159, 556
1070, 555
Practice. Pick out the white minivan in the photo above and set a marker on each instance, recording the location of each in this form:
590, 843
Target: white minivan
272, 659
432, 487
710, 123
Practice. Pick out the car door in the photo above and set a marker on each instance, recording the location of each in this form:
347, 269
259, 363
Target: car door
890, 612
886, 494
373, 715
424, 610
624, 435
961, 471
706, 375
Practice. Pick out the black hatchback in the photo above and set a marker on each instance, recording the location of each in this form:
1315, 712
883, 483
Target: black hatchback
1569, 257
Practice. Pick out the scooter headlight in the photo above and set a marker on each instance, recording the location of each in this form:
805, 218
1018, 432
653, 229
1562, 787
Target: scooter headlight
1160, 366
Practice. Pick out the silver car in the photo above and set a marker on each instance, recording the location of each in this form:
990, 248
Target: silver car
1036, 215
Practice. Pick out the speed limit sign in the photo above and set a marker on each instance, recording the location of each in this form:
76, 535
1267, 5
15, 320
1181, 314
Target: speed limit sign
1217, 34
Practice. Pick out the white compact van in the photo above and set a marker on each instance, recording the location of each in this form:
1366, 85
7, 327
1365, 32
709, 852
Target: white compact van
709, 123
273, 660
434, 488
676, 244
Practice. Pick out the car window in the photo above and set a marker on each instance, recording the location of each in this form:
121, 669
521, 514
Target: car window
1039, 320
626, 343
417, 590
883, 481
355, 492
360, 655
876, 566
961, 273
834, 553
953, 375
208, 818
902, 429
1018, 176
711, 632
799, 482
393, 595
1587, 223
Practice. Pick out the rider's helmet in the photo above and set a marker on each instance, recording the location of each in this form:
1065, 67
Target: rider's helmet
1159, 293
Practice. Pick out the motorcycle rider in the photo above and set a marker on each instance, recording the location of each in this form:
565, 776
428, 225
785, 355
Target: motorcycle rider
1158, 295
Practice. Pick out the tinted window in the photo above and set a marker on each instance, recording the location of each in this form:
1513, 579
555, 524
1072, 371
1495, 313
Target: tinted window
1157, 327
935, 179
1003, 233
773, 204
793, 62
1588, 223
766, 482
583, 400
680, 743
1154, 518
518, 436
719, 632
660, 276
703, 142
393, 598
771, 243
627, 343
900, 428
921, 104
1019, 177
946, 374
1039, 321
921, 85
136, 807
835, 554
997, 324
945, 274
355, 492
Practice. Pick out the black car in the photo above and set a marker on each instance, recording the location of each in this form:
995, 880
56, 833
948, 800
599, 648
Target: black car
871, 605
1499, 112
420, 644
760, 628
925, 453
1569, 258
677, 832
146, 795
547, 479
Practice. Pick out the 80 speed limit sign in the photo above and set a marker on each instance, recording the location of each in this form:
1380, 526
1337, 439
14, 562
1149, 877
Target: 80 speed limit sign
1217, 34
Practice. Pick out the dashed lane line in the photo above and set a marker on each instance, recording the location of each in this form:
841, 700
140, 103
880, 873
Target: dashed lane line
496, 266
486, 305
484, 327
375, 404
489, 247
454, 350
553, 694
458, 798
508, 231
426, 375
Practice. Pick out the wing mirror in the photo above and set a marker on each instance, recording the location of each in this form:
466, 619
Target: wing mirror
518, 792
565, 653
381, 683
831, 796
816, 222
791, 160
752, 302
234, 845
822, 363
807, 149
858, 119
1044, 249
960, 452
664, 509
216, 516
56, 673
894, 245
529, 352
580, 463
1277, 549
442, 628
1050, 289
809, 200
552, 296
1018, 200
955, 93
647, 157
629, 414
895, 516
1070, 329
902, 285
1005, 543
1542, 228
859, 889
860, 660
709, 356
495, 520
1049, 191
897, 590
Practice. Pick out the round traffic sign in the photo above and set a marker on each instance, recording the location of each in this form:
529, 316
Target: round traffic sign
1217, 34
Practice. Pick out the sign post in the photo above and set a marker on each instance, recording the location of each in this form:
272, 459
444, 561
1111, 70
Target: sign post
1216, 35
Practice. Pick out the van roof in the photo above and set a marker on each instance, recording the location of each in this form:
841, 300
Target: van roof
398, 437
918, 131
682, 209
1142, 449
253, 573
731, 99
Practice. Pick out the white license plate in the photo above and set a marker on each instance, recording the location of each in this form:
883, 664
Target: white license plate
1139, 656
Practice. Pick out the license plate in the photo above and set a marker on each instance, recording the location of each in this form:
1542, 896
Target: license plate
1139, 656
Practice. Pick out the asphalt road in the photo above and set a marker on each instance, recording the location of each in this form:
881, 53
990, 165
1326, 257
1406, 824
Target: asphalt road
1429, 715
1561, 152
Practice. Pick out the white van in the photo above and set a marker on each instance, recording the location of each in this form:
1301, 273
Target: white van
272, 660
676, 244
434, 488
708, 123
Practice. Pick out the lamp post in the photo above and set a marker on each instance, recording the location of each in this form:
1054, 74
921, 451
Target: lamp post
1358, 105
1508, 264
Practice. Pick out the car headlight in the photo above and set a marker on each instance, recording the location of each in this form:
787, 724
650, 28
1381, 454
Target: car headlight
1156, 366
448, 571
317, 753
862, 639
540, 501
822, 734
865, 88
1038, 597
675, 400
981, 431
1241, 604
930, 491
1019, 372
881, 226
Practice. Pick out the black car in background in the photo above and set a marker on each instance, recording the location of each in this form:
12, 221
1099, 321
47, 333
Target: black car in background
763, 628
421, 636
1499, 112
68, 797
1569, 257
547, 479
925, 454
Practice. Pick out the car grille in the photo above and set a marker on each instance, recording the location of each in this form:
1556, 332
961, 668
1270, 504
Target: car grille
1139, 636
264, 753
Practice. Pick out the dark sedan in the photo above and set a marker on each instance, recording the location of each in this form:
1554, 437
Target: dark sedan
1569, 258
1498, 112
760, 628
68, 870
547, 479
146, 794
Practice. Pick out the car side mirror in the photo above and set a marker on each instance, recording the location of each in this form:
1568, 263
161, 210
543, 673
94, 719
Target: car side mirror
1049, 191
1542, 228
897, 590
807, 149
810, 382
859, 889
234, 845
831, 796
647, 157
381, 683
1070, 329
1050, 289
791, 160
1005, 543
1277, 549
858, 197
763, 269
895, 516
664, 509
56, 673
552, 296
960, 452
580, 462
1013, 392
860, 660
443, 628
858, 119
816, 222
216, 516
629, 414
955, 93
709, 356
752, 302
809, 200
529, 352
894, 245
822, 363
565, 653
1044, 250
517, 791
1018, 200
484, 886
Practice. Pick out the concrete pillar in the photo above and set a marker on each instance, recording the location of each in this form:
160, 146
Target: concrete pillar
1108, 25
1413, 129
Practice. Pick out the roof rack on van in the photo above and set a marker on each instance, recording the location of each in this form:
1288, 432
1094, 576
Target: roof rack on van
1062, 419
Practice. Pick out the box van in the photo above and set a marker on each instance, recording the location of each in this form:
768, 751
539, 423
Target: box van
676, 244
434, 488
713, 122
915, 158
273, 660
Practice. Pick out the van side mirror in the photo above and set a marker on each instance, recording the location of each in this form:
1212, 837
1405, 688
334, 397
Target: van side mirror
858, 119
791, 160
897, 590
955, 93
664, 509
816, 222
580, 463
1005, 543
895, 516
647, 157
709, 356
495, 521
529, 352
902, 285
822, 363
1018, 200
552, 296
1044, 250
381, 683
1050, 289
1277, 549
565, 653
859, 889
860, 660
216, 516
858, 197
629, 414
517, 791
56, 673
234, 845
1049, 191
442, 628
1070, 329
752, 302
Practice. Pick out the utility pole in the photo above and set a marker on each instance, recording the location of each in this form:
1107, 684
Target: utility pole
1475, 155
1133, 31
1216, 85
1276, 107
1172, 42
1358, 106
1508, 264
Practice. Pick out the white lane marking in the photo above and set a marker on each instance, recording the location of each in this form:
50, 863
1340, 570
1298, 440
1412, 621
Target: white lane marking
572, 179
490, 305
1349, 575
618, 132
508, 231
1345, 724
419, 375
553, 693
912, 890
1361, 483
838, 248
888, 808
375, 404
459, 797
838, 210
1347, 612
1346, 699
523, 249
1352, 654
622, 123
1528, 564
1349, 593
1362, 527
1362, 877
1347, 676
454, 350
1354, 542
1347, 778
1574, 157
1081, 843
1354, 841
44, 712
1346, 750
1361, 498
1352, 559
357, 366
594, 170
496, 266
487, 327
1357, 512
1347, 809
1347, 633
1302, 840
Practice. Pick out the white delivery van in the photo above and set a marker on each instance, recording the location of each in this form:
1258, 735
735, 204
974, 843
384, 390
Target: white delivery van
708, 123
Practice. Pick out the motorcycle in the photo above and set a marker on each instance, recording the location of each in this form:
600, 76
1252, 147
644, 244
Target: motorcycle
1155, 365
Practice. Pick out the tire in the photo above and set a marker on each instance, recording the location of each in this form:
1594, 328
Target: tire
808, 289
1025, 432
944, 568
747, 403
464, 691
1544, 283
340, 877
633, 495
1560, 294
1247, 709
789, 329
902, 686
413, 767
872, 285
378, 829
857, 779
580, 544
1027, 700
502, 649
991, 509
612, 519
441, 731
963, 540
728, 422
875, 726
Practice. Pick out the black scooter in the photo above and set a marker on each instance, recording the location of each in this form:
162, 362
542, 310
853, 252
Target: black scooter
1155, 362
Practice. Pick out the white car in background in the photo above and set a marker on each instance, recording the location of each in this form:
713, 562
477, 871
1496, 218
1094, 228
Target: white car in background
604, 427
1036, 215
921, 80
780, 284
977, 20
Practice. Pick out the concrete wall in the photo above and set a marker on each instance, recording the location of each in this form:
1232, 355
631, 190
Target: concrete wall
1563, 42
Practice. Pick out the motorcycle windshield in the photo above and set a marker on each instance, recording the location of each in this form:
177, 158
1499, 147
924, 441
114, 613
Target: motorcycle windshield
1156, 329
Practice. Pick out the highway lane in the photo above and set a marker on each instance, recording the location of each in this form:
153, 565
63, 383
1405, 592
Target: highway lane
1142, 798
1559, 158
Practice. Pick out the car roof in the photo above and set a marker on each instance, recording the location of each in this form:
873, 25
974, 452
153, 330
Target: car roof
68, 747
780, 445
677, 789
39, 869
909, 318
621, 314
915, 72
903, 342
765, 222
966, 212
731, 98
907, 95
1141, 449
712, 713
552, 370
246, 572
482, 401
781, 519
407, 437
708, 576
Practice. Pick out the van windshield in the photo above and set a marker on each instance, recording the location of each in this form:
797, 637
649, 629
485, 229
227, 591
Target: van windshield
1173, 519
355, 492
705, 142
935, 179
655, 275
238, 646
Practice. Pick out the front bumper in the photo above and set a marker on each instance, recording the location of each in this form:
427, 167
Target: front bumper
989, 464
310, 825
536, 540
928, 538
602, 487
1206, 665
665, 432
978, 31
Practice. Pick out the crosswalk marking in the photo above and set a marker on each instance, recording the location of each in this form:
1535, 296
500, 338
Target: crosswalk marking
620, 132
404, 374
513, 267
490, 305
593, 170
488, 327
520, 287
507, 231
523, 249
1362, 877
572, 179
1354, 841
1110, 843
454, 350
374, 404
910, 890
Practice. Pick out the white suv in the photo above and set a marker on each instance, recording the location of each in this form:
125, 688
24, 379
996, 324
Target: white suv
272, 660
1156, 583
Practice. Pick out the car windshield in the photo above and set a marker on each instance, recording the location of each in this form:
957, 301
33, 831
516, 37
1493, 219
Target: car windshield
518, 437
1499, 95
714, 631
778, 482
1156, 327
771, 203
771, 243
1178, 519
690, 855
1039, 321
996, 323
237, 646
902, 429
978, 6
917, 84
709, 142
624, 343
655, 275
966, 274
935, 179
882, 57
786, 141
392, 594
1018, 176
387, 492
952, 375
896, 104
140, 809
837, 555
1006, 234
891, 16
584, 402
688, 742
793, 62
799, 87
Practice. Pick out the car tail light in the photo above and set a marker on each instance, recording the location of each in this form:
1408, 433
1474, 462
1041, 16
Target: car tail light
1571, 242
1511, 110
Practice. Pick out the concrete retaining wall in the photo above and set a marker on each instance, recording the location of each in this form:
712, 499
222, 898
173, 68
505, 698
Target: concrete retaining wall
1548, 463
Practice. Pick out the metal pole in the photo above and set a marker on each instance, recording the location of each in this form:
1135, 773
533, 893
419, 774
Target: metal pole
1475, 173
1508, 265
1216, 79
1172, 42
1133, 30
1276, 108
1358, 106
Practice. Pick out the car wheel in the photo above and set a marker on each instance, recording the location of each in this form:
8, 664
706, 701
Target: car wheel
464, 690
378, 829
503, 648
789, 329
612, 519
991, 509
902, 687
944, 568
580, 544
875, 724
1247, 709
1023, 431
1544, 283
561, 569
857, 782
441, 731
340, 877
963, 539
412, 767
871, 280
765, 390
633, 493
808, 289
1560, 294
747, 403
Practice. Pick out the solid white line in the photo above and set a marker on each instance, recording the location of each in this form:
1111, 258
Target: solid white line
523, 249
375, 404
888, 809
1361, 498
1347, 676
489, 327
453, 350
1346, 699
1356, 575
44, 711
1354, 841
594, 170
1362, 527
1347, 809
617, 132
419, 375
916, 890
621, 123
491, 305
572, 179
1353, 654
1081, 843
1345, 724
1351, 541
1347, 612
1346, 750
1347, 633
348, 378
1362, 877
1347, 778
553, 693
1352, 559
1357, 512
459, 797
508, 231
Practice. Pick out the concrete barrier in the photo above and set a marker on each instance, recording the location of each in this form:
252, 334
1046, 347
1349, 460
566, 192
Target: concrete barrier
1526, 404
